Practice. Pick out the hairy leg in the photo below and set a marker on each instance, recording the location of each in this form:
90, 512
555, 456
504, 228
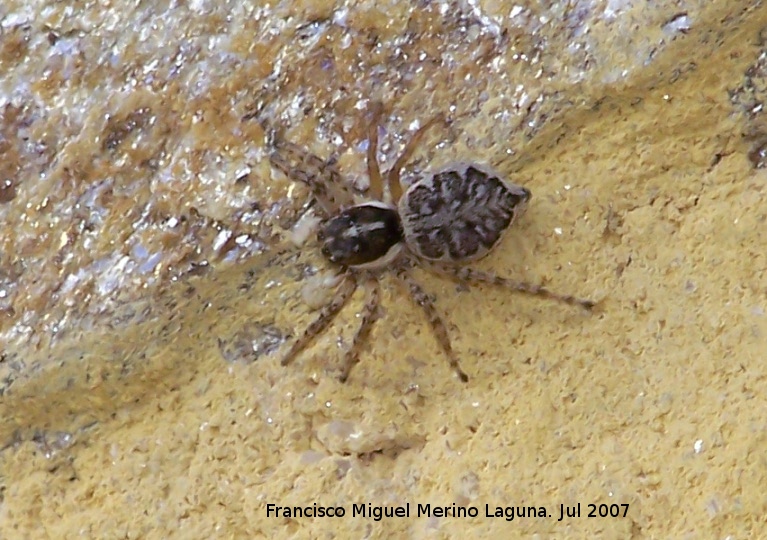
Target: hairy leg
393, 176
374, 168
437, 324
322, 178
326, 316
464, 274
369, 317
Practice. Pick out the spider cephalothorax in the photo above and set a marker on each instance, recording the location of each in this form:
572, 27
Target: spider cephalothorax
367, 235
443, 220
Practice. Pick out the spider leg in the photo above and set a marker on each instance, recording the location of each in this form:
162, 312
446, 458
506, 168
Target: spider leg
323, 178
393, 176
437, 324
326, 316
374, 168
369, 317
469, 275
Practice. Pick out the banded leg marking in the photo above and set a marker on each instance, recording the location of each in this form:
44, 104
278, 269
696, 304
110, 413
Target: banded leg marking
470, 275
393, 176
374, 168
369, 317
437, 324
326, 316
322, 178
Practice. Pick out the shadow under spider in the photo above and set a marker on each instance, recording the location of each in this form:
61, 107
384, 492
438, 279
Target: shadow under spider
444, 220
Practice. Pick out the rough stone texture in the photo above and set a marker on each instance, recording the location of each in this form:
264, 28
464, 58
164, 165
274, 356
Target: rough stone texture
146, 287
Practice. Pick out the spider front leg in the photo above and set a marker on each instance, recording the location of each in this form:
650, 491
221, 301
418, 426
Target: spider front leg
464, 274
374, 168
393, 176
323, 178
326, 316
437, 324
369, 317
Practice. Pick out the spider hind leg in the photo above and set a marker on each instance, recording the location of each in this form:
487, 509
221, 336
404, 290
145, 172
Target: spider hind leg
465, 275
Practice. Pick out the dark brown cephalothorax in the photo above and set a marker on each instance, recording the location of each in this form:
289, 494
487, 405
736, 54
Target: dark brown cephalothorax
363, 236
455, 215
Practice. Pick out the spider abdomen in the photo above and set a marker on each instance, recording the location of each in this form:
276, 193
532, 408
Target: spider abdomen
362, 236
459, 213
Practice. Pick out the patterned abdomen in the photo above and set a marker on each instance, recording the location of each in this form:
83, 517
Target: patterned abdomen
459, 213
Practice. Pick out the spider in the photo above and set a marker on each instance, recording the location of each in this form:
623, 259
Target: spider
455, 215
